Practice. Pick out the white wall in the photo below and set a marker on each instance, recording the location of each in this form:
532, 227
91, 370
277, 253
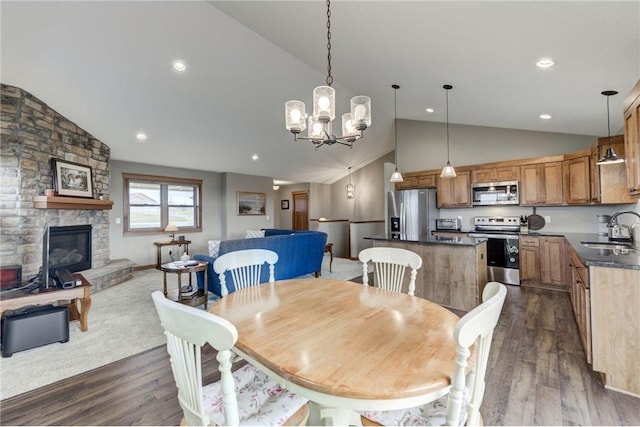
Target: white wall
285, 216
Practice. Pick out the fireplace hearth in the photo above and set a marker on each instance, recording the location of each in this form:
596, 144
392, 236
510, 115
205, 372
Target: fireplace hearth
70, 248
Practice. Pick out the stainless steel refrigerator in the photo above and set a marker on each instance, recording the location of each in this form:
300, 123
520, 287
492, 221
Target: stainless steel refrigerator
411, 213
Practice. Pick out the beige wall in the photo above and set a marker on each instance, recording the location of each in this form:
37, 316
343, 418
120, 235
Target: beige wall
235, 226
422, 145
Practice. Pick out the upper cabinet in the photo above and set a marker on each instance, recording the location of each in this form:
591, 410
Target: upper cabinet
577, 180
455, 192
609, 182
501, 173
541, 184
417, 180
631, 109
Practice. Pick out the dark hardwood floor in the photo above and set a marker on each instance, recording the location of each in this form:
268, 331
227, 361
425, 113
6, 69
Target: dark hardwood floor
537, 375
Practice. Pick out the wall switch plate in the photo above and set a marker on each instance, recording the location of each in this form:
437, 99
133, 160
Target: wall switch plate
547, 219
117, 220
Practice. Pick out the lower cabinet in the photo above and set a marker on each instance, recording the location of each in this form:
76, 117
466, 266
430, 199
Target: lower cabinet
543, 261
581, 300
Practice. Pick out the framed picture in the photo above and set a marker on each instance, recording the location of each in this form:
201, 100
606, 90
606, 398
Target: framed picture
252, 203
72, 179
284, 204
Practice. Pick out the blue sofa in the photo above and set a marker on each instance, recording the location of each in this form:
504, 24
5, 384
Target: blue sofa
299, 253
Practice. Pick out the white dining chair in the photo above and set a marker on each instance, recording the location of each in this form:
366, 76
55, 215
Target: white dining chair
246, 396
462, 404
389, 265
245, 267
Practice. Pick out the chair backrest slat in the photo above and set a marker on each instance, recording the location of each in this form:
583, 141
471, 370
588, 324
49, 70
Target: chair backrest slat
389, 265
245, 267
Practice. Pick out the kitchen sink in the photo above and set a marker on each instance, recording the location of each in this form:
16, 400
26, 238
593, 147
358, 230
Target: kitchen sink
607, 245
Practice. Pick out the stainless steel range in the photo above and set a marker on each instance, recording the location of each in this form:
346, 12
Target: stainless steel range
503, 259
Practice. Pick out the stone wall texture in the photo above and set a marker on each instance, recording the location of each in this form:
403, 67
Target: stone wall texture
33, 134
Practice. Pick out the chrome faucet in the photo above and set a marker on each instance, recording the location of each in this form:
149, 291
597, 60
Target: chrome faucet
614, 218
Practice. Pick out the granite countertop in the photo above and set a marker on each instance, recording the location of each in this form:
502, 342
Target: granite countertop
428, 239
596, 257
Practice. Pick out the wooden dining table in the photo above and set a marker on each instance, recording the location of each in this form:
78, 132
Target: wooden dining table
345, 346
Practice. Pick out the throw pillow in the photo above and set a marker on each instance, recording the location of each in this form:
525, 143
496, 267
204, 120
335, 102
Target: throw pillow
254, 233
214, 247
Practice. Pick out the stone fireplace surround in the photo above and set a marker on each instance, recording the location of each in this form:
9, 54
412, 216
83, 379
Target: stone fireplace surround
32, 134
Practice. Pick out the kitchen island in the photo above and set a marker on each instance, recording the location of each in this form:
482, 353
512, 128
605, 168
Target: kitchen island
454, 269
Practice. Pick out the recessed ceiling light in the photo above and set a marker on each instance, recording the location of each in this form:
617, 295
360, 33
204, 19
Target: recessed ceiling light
429, 110
545, 63
141, 136
179, 65
545, 116
254, 157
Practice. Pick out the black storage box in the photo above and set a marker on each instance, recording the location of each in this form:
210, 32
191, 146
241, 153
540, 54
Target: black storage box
33, 327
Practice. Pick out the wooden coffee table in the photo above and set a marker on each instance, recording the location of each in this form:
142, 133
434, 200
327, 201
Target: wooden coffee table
19, 299
200, 297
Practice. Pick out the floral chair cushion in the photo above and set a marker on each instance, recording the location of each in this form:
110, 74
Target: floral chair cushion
254, 233
431, 414
214, 248
261, 400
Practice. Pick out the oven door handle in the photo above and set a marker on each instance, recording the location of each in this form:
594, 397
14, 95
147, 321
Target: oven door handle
494, 236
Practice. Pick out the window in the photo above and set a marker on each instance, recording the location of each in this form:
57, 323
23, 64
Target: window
151, 202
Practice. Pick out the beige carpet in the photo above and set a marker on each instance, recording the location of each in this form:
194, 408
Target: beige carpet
122, 322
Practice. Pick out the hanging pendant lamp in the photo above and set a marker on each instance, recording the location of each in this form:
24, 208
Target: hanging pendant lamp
448, 171
395, 176
610, 156
350, 188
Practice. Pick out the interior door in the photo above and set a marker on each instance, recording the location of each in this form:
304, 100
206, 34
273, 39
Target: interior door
300, 210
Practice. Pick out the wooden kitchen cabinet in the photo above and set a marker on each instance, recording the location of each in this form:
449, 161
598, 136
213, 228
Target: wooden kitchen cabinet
541, 184
609, 182
581, 300
455, 192
529, 250
502, 173
631, 108
417, 180
577, 180
553, 264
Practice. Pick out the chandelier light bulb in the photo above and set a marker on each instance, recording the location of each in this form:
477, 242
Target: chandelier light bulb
324, 103
296, 115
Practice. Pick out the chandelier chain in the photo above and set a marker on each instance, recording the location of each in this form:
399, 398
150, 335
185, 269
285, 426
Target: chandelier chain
329, 76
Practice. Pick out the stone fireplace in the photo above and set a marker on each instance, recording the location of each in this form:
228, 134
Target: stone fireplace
32, 134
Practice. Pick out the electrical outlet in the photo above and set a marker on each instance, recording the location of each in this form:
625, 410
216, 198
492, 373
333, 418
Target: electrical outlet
547, 219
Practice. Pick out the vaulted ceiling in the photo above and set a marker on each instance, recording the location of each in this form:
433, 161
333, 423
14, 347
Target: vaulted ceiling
108, 67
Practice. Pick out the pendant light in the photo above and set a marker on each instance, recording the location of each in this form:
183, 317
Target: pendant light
395, 176
610, 156
448, 171
320, 122
350, 188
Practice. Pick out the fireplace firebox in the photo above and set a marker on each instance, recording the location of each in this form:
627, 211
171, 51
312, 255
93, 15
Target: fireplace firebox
70, 248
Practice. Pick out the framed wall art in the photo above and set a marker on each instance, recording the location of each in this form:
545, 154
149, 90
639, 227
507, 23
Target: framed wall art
252, 203
72, 179
284, 204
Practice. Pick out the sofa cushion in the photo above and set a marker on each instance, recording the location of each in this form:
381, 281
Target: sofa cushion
214, 247
254, 233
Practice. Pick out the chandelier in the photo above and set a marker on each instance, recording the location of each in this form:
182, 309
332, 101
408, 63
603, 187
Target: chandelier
448, 171
350, 188
396, 176
319, 124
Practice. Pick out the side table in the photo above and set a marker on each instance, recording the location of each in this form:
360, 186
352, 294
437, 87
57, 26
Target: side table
329, 248
200, 297
160, 245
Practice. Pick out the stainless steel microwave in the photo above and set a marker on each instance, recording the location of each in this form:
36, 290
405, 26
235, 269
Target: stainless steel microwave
495, 193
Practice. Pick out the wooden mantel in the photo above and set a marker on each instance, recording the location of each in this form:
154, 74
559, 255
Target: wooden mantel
56, 202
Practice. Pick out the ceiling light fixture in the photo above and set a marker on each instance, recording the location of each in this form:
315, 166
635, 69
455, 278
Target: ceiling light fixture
545, 63
324, 97
179, 66
429, 110
610, 156
448, 171
350, 188
141, 136
545, 116
255, 157
395, 176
